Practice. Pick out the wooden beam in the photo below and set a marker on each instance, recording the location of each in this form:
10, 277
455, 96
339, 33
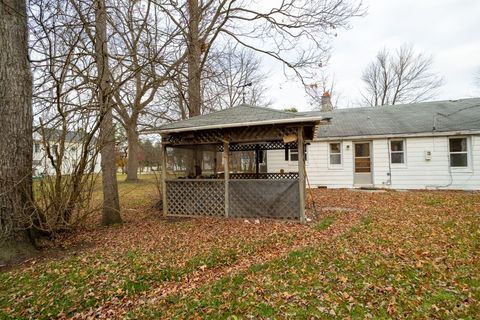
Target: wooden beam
226, 160
301, 173
164, 178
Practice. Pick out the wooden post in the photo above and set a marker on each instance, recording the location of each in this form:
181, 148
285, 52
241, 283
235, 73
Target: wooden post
301, 173
226, 159
257, 161
164, 178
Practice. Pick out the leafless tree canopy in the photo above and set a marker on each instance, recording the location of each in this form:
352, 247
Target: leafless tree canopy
403, 76
294, 32
234, 76
326, 83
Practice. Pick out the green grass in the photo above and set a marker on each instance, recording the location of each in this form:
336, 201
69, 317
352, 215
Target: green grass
389, 266
77, 284
324, 223
411, 255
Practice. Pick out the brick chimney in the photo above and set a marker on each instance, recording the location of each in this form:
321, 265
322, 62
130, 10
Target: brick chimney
326, 102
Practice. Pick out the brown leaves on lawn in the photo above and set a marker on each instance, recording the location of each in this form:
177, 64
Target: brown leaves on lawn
149, 260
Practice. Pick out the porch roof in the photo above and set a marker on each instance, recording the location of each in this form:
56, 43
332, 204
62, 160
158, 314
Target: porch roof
241, 116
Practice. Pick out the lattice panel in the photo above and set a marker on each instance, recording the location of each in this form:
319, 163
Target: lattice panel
196, 197
269, 175
264, 198
274, 145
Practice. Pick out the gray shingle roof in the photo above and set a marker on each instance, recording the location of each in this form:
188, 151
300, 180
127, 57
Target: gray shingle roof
238, 115
449, 115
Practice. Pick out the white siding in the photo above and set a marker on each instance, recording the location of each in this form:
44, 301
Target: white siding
42, 164
318, 171
416, 173
419, 173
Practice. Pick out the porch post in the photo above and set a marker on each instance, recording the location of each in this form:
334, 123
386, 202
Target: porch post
257, 161
301, 173
164, 178
226, 160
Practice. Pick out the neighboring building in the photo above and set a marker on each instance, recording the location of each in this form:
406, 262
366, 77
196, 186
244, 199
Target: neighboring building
430, 145
42, 165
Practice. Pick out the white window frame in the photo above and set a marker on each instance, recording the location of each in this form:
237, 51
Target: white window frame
404, 164
334, 165
468, 153
295, 162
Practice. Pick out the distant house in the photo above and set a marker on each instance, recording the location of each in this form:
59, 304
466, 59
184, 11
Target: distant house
431, 145
42, 165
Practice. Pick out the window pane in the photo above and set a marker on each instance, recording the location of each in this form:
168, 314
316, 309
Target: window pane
294, 154
334, 147
335, 159
396, 145
458, 160
458, 144
397, 157
362, 150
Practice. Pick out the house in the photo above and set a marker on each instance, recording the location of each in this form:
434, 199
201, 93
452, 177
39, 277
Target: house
42, 165
429, 145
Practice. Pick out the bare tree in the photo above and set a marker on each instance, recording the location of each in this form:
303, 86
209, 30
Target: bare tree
145, 52
234, 76
401, 77
111, 202
326, 84
294, 32
15, 127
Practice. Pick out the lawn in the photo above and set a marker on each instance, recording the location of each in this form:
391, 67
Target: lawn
363, 255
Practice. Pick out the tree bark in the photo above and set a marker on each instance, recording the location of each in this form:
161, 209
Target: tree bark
16, 144
194, 61
133, 147
111, 203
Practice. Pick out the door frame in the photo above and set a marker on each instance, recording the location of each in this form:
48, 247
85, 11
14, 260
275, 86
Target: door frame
370, 143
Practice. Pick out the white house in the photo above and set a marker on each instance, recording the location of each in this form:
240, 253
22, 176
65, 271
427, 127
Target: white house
430, 145
42, 165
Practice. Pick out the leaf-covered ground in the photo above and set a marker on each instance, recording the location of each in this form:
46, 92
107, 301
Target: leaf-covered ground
365, 255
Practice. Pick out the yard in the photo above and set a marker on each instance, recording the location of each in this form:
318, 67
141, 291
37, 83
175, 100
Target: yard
363, 255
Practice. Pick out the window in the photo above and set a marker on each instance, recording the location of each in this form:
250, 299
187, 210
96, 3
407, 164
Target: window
294, 154
335, 153
397, 151
36, 147
458, 152
54, 149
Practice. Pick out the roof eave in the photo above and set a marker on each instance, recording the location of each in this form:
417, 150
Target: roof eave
399, 135
244, 124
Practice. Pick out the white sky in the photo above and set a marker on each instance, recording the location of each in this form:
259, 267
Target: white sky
449, 30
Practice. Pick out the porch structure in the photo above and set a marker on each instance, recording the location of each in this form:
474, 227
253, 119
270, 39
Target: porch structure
213, 165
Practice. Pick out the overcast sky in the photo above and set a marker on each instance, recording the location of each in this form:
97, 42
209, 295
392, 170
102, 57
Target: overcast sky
449, 30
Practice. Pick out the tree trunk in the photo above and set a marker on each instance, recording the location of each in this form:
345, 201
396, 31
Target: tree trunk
132, 161
111, 203
16, 144
194, 52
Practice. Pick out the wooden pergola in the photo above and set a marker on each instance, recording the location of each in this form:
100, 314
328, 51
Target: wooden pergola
221, 192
